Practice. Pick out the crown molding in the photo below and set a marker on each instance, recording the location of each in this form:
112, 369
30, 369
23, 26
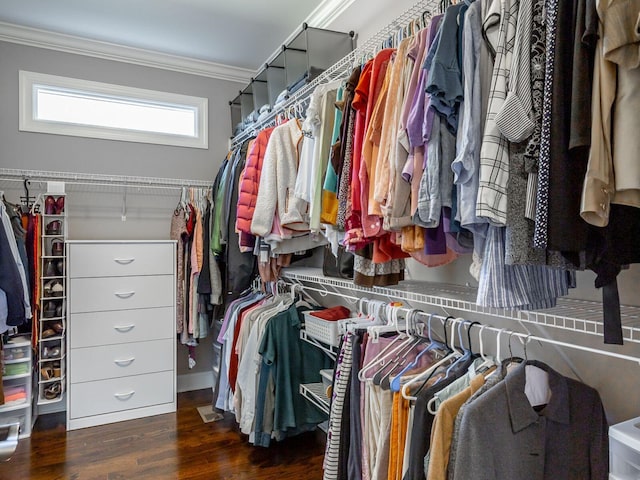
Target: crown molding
34, 37
327, 12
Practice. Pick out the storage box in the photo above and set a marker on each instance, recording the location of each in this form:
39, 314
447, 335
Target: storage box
325, 331
16, 353
624, 450
13, 369
16, 416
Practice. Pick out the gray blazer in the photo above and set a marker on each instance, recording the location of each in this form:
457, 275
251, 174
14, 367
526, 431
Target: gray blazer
503, 438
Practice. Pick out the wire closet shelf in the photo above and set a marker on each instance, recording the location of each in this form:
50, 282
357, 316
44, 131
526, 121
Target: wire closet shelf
581, 316
101, 180
338, 70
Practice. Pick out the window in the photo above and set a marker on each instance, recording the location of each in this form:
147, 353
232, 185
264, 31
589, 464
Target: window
68, 106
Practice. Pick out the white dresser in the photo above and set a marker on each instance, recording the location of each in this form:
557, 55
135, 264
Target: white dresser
121, 340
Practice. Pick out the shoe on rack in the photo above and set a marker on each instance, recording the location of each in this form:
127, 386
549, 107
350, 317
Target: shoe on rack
50, 269
49, 310
50, 205
51, 352
46, 290
48, 333
54, 228
52, 391
46, 373
57, 327
57, 248
60, 205
60, 267
53, 288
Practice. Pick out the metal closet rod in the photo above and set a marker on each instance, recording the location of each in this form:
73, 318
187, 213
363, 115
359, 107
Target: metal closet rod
499, 331
97, 179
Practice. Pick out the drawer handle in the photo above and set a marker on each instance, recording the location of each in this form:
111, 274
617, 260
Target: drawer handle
124, 294
124, 396
124, 363
124, 328
124, 261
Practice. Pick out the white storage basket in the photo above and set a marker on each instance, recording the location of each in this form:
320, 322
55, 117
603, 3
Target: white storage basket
325, 331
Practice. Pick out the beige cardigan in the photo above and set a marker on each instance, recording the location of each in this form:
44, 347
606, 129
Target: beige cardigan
613, 171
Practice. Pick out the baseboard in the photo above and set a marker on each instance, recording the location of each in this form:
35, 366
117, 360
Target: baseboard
195, 381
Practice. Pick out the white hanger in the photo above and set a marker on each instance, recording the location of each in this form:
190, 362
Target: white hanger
362, 320
428, 372
35, 203
498, 346
487, 361
386, 353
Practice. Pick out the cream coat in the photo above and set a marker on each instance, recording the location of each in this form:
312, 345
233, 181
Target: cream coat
277, 183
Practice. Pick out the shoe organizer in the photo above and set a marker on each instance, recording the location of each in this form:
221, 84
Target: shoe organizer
51, 366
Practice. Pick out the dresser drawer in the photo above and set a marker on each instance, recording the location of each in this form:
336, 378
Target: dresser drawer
120, 259
120, 293
126, 326
118, 394
113, 361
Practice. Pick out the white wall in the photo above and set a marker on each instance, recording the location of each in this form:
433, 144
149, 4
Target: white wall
95, 212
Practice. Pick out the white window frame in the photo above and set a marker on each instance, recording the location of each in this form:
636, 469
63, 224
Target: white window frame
28, 121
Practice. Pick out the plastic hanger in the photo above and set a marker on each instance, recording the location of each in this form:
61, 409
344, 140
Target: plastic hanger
487, 362
509, 362
381, 377
427, 374
399, 342
309, 302
456, 356
390, 326
463, 354
396, 381
36, 203
424, 376
363, 320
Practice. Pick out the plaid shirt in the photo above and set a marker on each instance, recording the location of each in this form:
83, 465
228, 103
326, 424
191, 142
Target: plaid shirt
494, 153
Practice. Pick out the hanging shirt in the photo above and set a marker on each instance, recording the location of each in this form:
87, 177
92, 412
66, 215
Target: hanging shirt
444, 84
566, 439
13, 278
294, 362
467, 162
494, 153
527, 287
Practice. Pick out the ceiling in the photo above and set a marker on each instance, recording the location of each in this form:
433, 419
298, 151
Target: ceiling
234, 33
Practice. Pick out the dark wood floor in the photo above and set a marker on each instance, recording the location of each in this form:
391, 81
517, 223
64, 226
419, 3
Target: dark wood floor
168, 446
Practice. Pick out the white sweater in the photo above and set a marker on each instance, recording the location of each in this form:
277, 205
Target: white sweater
277, 183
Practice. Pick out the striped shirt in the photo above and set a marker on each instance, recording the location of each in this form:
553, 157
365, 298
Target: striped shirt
526, 287
340, 384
